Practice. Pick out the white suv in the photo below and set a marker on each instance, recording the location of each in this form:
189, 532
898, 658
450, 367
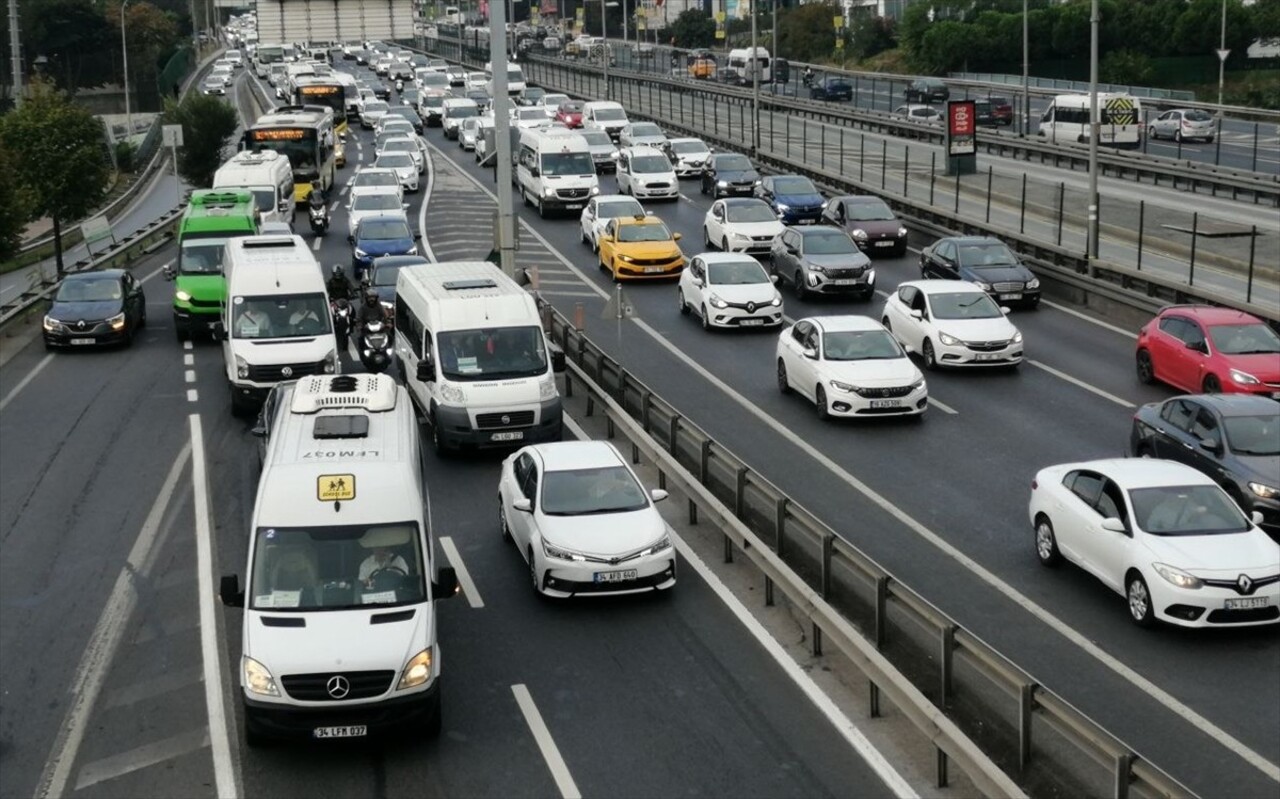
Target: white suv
646, 174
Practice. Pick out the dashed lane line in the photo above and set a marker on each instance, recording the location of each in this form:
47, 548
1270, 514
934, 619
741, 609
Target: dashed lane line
546, 744
1124, 403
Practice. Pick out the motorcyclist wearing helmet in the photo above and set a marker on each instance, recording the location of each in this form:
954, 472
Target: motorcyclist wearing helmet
317, 195
808, 76
371, 311
338, 287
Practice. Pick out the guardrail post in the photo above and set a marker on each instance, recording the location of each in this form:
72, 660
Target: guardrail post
780, 525
1026, 704
1062, 196
933, 173
957, 177
1253, 167
1253, 246
1142, 214
1122, 775
740, 492
906, 167
841, 152
1195, 236
862, 156
989, 178
884, 162
882, 608
673, 431
873, 700
1022, 213
646, 403
822, 131
948, 642
942, 768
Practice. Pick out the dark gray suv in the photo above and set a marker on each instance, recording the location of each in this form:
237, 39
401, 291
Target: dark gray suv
821, 260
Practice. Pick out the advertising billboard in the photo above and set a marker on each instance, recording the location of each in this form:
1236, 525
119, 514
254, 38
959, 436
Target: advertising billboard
962, 128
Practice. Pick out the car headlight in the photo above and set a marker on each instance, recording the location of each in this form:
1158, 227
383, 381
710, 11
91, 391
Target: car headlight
1265, 491
1033, 283
845, 387
716, 302
722, 184
416, 671
902, 231
595, 190
918, 385
982, 285
822, 270
242, 368
552, 551
757, 183
258, 679
52, 325
860, 235
1017, 338
776, 301
662, 544
452, 394
783, 207
331, 362
871, 276
950, 341
626, 258
359, 253
547, 388
1244, 378
117, 322
1177, 576
613, 154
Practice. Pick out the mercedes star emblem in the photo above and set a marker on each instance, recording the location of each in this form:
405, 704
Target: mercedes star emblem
287, 371
338, 686
506, 419
1243, 584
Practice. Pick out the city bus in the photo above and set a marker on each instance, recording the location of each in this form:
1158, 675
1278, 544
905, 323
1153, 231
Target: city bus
326, 91
306, 137
265, 56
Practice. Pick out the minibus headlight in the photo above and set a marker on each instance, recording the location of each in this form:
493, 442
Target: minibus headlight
258, 679
416, 671
182, 296
453, 394
547, 388
331, 362
242, 368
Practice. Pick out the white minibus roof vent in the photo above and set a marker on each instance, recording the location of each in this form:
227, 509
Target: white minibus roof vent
373, 393
474, 283
268, 242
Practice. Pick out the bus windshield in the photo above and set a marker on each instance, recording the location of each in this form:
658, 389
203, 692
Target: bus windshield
298, 144
201, 256
330, 95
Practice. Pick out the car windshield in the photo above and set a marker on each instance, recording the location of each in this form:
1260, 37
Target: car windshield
99, 289
399, 146
859, 345
987, 254
571, 108
336, 567
649, 164
610, 115
385, 274
733, 163
868, 211
829, 244
365, 179
567, 164
395, 161
376, 107
492, 353
616, 208
280, 316
1253, 435
793, 186
650, 232
597, 138
1247, 339
736, 273
532, 114
383, 230
201, 256
407, 114
963, 305
463, 111
578, 492
689, 147
646, 129
1186, 510
750, 212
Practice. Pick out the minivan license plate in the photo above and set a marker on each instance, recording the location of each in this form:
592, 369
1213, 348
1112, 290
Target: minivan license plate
1250, 603
616, 577
352, 731
751, 322
515, 435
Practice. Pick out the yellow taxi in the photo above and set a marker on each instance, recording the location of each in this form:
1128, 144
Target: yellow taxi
640, 248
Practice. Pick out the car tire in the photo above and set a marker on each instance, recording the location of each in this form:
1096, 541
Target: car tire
503, 527
1138, 597
524, 195
1177, 136
702, 187
1146, 370
435, 717
706, 238
680, 303
1211, 385
783, 386
724, 244
582, 234
437, 442
802, 293
1208, 140
253, 737
180, 331
1046, 542
1151, 133
142, 317
706, 319
542, 208
820, 402
535, 579
930, 357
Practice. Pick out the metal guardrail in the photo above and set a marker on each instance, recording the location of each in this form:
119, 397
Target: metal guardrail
1008, 733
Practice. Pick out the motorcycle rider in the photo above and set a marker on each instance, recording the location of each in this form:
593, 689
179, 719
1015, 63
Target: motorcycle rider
808, 76
338, 287
371, 311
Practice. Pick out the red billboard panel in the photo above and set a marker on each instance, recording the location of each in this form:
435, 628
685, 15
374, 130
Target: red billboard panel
962, 127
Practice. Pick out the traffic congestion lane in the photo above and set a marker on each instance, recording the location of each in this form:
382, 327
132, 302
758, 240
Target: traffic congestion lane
86, 447
1069, 430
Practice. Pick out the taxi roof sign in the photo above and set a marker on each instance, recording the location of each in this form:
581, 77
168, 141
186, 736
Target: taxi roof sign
336, 487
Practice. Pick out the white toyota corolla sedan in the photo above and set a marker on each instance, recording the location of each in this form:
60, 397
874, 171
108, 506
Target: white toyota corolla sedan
583, 522
849, 366
1161, 534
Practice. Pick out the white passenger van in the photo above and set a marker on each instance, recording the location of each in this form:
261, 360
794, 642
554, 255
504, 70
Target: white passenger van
554, 170
275, 324
515, 79
471, 349
339, 637
1067, 119
605, 115
268, 175
741, 61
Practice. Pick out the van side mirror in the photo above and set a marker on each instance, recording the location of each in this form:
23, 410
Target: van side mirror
658, 494
351, 239
426, 371
523, 504
229, 591
218, 331
811, 353
916, 313
283, 206
557, 359
676, 236
446, 583
168, 272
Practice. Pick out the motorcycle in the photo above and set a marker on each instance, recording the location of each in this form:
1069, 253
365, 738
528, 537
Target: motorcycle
808, 80
319, 219
374, 345
341, 312
399, 85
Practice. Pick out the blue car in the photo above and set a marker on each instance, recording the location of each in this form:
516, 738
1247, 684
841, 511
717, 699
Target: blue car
376, 236
793, 198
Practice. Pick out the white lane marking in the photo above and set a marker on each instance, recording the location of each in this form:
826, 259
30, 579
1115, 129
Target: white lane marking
189, 359
1124, 403
547, 745
108, 768
344, 188
215, 671
101, 648
464, 576
186, 345
315, 244
1068, 632
1086, 317
422, 210
24, 381
190, 376
192, 395
821, 701
942, 407
334, 206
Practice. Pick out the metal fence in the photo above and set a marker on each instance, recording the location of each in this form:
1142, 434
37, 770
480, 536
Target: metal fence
1076, 86
1038, 739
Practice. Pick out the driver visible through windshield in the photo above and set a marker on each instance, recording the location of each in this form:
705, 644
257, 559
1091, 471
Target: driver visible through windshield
492, 353
579, 492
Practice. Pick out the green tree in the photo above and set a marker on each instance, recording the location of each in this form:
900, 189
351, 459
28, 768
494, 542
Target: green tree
871, 36
1266, 18
911, 30
71, 34
207, 125
693, 28
1125, 67
1198, 30
1071, 31
807, 32
12, 220
59, 158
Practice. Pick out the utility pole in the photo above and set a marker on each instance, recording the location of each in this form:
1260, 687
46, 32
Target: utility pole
124, 52
755, 82
1026, 71
15, 53
1223, 52
604, 44
1095, 130
774, 52
504, 236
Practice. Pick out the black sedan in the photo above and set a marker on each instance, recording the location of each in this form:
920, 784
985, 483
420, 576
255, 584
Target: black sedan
382, 275
95, 308
832, 89
1233, 438
729, 174
985, 261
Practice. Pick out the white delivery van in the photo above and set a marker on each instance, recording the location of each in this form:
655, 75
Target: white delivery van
339, 636
515, 79
605, 115
470, 346
268, 175
554, 170
275, 324
1067, 119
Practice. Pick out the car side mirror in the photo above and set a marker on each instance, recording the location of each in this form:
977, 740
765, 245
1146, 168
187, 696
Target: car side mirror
426, 371
283, 206
1004, 309
523, 504
417, 236
1211, 444
916, 313
1113, 524
168, 272
908, 349
446, 583
1256, 517
229, 591
773, 278
811, 353
351, 239
1198, 346
259, 430
676, 236
658, 494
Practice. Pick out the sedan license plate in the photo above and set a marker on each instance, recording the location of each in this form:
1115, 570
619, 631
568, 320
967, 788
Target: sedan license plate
515, 435
352, 731
79, 341
1251, 603
616, 577
573, 206
751, 322
886, 403
649, 270
805, 222
1010, 296
987, 356
885, 243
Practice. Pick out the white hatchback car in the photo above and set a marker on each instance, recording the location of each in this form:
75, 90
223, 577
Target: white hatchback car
372, 111
550, 104
952, 323
403, 165
729, 290
467, 133
641, 133
583, 522
1161, 534
646, 173
741, 224
600, 210
849, 366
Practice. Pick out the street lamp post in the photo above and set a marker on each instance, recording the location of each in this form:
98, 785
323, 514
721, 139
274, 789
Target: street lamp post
1095, 130
604, 44
1223, 52
755, 83
1026, 71
124, 51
